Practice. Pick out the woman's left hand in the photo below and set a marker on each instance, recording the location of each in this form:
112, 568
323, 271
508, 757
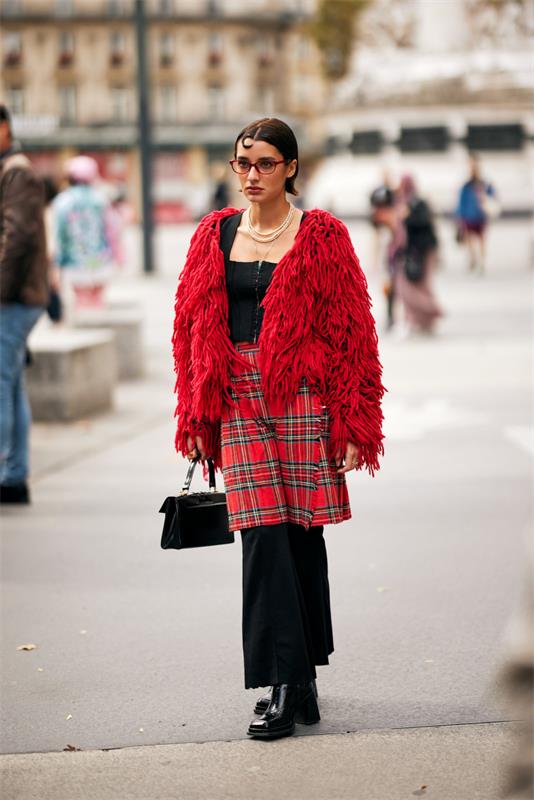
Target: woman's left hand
351, 458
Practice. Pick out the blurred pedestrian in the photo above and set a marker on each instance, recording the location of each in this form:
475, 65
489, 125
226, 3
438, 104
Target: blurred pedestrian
221, 195
82, 247
391, 215
23, 298
380, 200
54, 308
116, 215
279, 381
419, 260
477, 205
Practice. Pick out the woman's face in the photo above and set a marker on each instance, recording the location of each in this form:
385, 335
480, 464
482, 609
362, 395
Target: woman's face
260, 187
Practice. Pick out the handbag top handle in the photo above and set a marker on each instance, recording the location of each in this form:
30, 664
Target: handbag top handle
190, 471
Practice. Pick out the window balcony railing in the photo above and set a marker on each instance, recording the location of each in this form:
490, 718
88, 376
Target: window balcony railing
116, 59
166, 60
66, 58
265, 60
215, 58
13, 58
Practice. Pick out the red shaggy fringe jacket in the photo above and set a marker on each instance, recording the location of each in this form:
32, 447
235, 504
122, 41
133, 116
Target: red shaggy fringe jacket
317, 323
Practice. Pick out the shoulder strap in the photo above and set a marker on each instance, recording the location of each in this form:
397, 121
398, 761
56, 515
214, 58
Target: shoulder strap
228, 230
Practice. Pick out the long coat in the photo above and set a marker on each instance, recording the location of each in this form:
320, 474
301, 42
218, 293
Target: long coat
317, 323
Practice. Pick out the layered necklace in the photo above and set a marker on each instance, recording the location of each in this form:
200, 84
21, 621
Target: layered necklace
258, 236
271, 236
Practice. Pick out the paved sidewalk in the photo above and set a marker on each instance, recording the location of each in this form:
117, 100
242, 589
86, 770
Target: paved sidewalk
448, 763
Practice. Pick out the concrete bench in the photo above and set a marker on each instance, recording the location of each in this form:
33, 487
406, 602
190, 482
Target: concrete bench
125, 320
73, 373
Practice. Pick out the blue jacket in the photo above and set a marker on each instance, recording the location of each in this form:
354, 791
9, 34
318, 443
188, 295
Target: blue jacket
469, 207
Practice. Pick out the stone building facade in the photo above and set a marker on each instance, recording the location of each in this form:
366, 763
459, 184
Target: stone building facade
69, 72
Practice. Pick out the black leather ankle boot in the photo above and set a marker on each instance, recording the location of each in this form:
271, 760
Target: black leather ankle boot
263, 702
290, 703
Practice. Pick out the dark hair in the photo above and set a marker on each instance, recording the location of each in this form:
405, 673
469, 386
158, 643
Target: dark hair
5, 115
277, 133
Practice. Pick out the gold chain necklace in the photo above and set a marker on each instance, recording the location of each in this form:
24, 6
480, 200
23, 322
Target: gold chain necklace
261, 260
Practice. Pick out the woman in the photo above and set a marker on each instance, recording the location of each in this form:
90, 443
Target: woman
417, 262
285, 414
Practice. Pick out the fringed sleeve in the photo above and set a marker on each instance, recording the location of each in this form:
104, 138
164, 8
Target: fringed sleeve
352, 387
185, 310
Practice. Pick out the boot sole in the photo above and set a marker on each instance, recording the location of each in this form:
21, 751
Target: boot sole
272, 734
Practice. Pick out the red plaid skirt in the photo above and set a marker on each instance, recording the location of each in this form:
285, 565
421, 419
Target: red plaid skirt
276, 468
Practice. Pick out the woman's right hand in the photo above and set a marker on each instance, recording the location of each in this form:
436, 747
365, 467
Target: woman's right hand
196, 445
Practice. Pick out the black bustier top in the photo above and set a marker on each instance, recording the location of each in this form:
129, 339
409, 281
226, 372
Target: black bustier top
246, 284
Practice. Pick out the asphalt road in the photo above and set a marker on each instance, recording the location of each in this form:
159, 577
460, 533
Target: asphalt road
136, 646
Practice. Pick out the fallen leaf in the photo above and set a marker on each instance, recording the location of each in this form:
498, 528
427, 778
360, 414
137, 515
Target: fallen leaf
382, 588
70, 748
141, 730
69, 716
40, 669
429, 660
27, 647
83, 632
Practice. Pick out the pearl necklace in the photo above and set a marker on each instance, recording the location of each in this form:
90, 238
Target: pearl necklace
271, 235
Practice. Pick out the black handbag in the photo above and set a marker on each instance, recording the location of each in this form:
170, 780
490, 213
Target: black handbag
196, 519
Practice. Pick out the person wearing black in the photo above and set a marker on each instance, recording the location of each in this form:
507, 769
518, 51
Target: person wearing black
414, 280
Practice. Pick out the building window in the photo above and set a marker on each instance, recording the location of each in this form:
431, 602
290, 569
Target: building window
167, 103
12, 7
66, 48
495, 137
67, 103
302, 90
119, 104
215, 48
166, 7
116, 8
166, 49
215, 103
266, 100
15, 100
64, 8
117, 48
303, 48
265, 51
366, 142
12, 48
420, 140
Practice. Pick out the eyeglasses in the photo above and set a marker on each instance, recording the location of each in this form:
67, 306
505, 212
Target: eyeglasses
264, 165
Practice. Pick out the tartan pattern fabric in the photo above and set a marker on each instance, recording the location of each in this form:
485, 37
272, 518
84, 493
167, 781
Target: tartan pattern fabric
276, 468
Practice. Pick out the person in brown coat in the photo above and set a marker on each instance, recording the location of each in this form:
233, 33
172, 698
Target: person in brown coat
23, 297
